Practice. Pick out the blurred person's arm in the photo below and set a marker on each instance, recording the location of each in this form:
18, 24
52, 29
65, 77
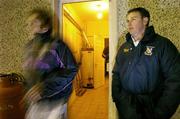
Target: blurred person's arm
56, 70
58, 82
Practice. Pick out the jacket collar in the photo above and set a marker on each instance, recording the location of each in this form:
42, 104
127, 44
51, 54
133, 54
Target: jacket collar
148, 35
42, 37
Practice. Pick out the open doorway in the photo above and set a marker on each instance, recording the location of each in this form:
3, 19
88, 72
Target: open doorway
84, 28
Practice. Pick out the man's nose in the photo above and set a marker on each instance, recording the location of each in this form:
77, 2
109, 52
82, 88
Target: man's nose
129, 23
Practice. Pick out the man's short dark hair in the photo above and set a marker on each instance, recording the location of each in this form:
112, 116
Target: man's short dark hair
142, 11
44, 16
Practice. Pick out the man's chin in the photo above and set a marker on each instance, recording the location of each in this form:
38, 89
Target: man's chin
131, 33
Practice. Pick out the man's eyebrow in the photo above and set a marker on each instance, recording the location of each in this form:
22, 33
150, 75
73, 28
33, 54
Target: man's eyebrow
134, 16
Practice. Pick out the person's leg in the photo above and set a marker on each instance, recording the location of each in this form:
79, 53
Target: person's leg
58, 111
65, 111
39, 110
47, 109
127, 110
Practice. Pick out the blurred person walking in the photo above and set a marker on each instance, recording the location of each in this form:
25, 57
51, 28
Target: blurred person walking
49, 68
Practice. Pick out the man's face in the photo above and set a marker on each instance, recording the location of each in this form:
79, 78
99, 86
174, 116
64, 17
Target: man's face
33, 25
135, 23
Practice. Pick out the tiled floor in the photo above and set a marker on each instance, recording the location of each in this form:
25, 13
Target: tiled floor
92, 105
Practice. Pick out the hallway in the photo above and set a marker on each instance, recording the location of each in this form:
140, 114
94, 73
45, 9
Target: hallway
92, 105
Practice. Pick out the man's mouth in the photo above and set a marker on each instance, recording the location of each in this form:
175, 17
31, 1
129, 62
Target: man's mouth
130, 28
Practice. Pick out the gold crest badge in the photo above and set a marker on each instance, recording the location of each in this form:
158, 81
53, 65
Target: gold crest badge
149, 50
126, 50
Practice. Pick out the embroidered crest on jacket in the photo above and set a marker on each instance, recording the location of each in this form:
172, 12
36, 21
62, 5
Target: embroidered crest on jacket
149, 50
126, 50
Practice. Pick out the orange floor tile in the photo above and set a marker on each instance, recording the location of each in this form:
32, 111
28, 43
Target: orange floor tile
92, 105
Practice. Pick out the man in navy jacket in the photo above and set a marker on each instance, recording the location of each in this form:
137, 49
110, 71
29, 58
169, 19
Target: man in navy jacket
146, 74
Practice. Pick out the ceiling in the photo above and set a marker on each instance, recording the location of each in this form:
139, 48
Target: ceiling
87, 11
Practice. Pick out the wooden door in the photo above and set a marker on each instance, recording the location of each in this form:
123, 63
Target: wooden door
99, 76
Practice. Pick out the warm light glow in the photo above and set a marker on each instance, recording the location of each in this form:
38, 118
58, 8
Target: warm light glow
99, 6
99, 15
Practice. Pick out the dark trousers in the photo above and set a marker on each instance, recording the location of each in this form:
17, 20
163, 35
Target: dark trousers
135, 107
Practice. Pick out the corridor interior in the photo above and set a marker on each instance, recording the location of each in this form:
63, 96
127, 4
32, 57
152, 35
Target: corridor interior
86, 31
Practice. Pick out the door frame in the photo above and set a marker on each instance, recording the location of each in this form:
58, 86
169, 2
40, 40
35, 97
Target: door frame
113, 37
58, 8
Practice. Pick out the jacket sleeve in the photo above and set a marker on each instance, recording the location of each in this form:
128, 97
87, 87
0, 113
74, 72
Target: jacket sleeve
116, 84
170, 67
58, 82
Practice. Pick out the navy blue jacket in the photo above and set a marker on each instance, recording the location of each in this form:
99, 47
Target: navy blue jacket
50, 62
149, 74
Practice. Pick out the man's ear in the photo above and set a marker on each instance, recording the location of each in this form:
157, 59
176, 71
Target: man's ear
145, 21
44, 29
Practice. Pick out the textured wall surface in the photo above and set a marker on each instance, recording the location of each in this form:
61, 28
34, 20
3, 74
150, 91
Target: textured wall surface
164, 17
13, 36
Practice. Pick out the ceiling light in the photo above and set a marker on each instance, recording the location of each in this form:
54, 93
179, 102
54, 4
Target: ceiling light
99, 6
99, 15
